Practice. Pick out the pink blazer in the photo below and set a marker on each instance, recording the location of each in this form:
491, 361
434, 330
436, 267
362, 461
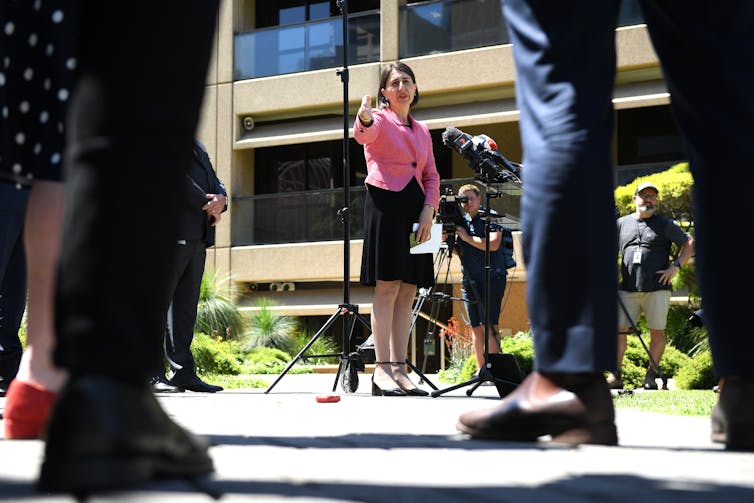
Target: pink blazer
395, 153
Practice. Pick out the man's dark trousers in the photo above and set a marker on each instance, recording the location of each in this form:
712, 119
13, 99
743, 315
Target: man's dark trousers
187, 278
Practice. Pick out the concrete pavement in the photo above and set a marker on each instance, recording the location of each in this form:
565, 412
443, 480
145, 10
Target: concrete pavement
284, 445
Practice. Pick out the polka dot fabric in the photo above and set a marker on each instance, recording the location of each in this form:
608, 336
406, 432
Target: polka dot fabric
37, 69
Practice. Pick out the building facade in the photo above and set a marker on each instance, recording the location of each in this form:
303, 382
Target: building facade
273, 122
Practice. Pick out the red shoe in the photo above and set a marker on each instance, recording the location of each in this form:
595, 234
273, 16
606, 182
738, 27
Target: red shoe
27, 407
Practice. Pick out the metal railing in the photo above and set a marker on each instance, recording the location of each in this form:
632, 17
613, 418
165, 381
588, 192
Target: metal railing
439, 26
299, 217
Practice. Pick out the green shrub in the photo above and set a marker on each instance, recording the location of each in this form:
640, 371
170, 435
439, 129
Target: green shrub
672, 360
324, 345
697, 373
468, 369
263, 354
521, 346
456, 374
635, 352
215, 356
632, 375
264, 360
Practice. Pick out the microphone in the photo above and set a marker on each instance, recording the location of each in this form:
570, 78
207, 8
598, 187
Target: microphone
457, 140
485, 142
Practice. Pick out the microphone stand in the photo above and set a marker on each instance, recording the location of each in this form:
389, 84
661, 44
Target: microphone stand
350, 362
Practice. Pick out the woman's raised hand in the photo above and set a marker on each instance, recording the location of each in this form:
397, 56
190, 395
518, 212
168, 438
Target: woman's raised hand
365, 110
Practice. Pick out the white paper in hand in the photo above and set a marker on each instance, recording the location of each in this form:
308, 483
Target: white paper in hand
430, 246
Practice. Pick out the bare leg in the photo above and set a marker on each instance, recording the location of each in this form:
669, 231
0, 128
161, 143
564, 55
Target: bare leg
622, 343
478, 334
383, 308
400, 333
657, 343
42, 242
493, 346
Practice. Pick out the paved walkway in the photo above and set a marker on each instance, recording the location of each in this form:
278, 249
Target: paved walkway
283, 445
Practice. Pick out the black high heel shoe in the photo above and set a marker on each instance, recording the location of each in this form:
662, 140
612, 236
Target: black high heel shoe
415, 392
377, 391
410, 391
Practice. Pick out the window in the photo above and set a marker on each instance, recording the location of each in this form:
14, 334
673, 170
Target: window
648, 141
285, 12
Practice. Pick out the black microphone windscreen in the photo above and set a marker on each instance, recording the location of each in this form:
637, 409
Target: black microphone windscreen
449, 135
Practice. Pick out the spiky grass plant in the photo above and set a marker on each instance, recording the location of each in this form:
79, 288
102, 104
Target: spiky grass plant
216, 314
271, 329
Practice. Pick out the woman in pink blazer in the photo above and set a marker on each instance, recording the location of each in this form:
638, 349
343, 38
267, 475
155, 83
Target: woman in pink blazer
403, 188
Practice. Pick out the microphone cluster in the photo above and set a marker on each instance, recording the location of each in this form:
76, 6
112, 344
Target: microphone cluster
483, 156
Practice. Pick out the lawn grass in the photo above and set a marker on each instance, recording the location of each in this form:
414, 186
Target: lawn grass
236, 381
673, 402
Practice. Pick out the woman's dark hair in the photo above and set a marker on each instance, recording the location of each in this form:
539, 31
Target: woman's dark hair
401, 67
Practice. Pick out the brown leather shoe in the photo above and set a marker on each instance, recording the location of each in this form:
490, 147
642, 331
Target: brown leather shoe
571, 408
733, 415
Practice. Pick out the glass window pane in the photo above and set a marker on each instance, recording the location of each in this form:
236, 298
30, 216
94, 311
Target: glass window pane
323, 44
293, 15
292, 50
319, 10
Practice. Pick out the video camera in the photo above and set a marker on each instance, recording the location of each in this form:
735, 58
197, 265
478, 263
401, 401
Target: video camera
449, 213
483, 157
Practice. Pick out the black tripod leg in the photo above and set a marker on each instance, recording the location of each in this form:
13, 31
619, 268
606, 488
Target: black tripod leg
419, 373
437, 393
322, 330
471, 390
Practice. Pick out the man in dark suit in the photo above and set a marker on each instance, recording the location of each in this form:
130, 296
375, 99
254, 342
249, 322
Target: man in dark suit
12, 279
204, 200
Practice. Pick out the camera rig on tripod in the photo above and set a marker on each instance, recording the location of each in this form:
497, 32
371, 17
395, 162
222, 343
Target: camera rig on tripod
492, 170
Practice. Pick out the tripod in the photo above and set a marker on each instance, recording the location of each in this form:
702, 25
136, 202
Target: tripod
505, 363
635, 330
349, 362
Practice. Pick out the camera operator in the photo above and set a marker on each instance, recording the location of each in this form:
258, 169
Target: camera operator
471, 245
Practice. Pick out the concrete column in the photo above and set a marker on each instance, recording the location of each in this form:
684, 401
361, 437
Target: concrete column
389, 29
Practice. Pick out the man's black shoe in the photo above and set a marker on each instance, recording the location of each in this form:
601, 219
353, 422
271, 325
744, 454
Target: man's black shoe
107, 434
161, 385
192, 382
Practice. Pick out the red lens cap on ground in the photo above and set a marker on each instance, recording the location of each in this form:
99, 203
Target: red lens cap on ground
328, 398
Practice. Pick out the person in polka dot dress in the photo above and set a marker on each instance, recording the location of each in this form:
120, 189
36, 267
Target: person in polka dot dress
37, 72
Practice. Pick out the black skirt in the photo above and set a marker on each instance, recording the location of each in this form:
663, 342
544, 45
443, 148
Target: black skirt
388, 220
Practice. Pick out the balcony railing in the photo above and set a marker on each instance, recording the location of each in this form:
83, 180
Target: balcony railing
451, 25
306, 46
298, 217
439, 26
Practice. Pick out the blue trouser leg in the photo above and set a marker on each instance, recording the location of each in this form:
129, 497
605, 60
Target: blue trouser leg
564, 88
707, 54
